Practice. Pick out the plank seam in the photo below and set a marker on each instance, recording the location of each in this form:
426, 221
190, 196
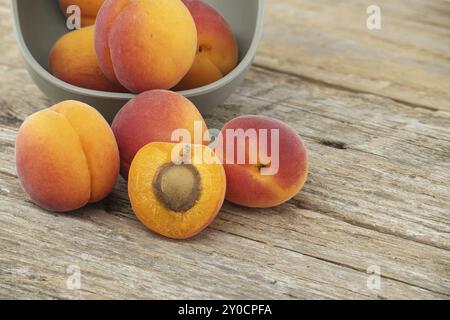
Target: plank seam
341, 87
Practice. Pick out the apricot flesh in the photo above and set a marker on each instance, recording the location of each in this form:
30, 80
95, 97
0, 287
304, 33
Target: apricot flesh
66, 156
88, 9
246, 185
73, 60
217, 53
176, 200
145, 44
153, 116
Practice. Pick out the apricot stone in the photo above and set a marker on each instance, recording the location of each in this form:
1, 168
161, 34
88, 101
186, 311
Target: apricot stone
152, 117
88, 8
176, 200
145, 44
265, 161
66, 156
73, 60
217, 53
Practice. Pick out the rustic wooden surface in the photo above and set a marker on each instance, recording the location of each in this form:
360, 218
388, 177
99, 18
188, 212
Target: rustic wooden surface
374, 110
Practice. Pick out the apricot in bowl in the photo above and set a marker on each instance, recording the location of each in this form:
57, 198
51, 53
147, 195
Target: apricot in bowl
73, 60
176, 199
66, 156
217, 53
145, 44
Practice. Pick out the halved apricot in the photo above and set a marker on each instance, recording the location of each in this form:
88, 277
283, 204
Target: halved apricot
177, 198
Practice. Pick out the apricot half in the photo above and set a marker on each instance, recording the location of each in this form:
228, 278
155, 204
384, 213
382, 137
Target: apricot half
66, 156
177, 199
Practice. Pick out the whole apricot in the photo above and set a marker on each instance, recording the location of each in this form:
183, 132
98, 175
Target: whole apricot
265, 161
73, 60
145, 44
217, 53
66, 156
153, 116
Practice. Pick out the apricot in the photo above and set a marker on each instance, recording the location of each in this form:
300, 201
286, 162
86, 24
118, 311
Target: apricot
265, 161
66, 156
73, 60
88, 8
145, 44
217, 53
176, 199
153, 116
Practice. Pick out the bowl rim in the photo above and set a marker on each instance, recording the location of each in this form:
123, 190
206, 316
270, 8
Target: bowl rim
240, 68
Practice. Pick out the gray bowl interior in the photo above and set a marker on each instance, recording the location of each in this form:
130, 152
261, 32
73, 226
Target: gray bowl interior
40, 23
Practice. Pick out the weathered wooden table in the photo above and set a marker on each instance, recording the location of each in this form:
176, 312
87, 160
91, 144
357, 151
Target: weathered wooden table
374, 110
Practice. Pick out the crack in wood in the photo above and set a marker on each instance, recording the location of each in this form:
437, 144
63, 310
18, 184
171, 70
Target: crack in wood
379, 229
334, 144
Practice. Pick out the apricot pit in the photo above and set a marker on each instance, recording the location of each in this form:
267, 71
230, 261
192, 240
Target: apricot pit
177, 186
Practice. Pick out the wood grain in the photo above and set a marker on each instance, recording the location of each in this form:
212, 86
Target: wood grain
328, 41
377, 194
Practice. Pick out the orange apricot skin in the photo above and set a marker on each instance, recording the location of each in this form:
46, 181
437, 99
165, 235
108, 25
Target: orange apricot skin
152, 116
145, 44
217, 53
246, 186
88, 8
151, 212
73, 60
106, 17
66, 157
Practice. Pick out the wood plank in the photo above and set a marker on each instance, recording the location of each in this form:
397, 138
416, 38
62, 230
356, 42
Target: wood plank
119, 259
9, 50
377, 195
391, 160
334, 231
407, 60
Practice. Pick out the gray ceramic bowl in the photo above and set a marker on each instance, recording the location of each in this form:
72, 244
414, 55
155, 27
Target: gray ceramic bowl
39, 23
